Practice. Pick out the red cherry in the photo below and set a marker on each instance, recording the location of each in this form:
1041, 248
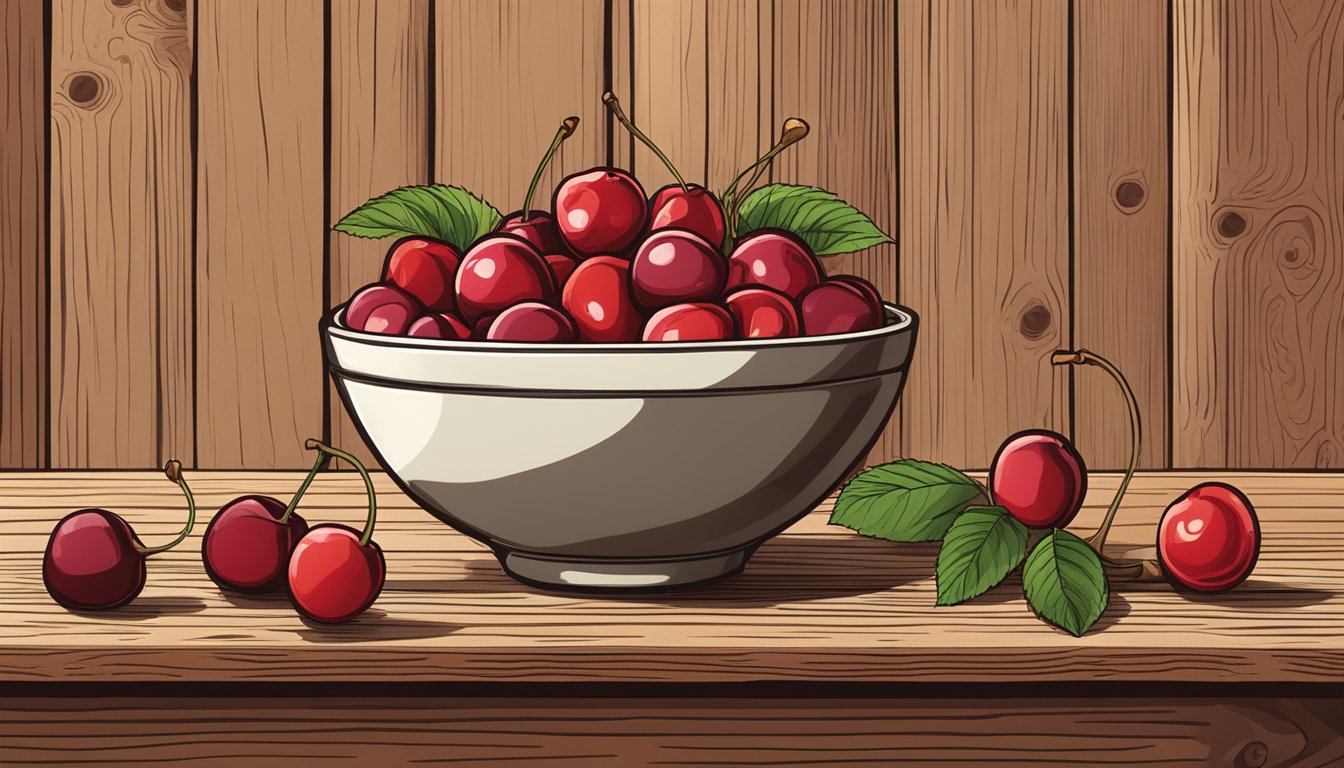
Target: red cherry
332, 577
1209, 538
674, 266
602, 210
424, 268
837, 306
532, 321
598, 297
501, 270
562, 266
440, 326
1039, 477
689, 322
694, 208
776, 260
246, 547
762, 313
381, 309
481, 328
538, 229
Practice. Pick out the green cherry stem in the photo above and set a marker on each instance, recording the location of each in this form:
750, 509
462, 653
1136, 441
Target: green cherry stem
567, 127
173, 470
323, 459
367, 536
614, 105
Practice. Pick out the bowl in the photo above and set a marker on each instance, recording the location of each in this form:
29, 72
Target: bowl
621, 466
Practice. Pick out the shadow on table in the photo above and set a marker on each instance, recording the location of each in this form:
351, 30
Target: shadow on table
1261, 595
152, 607
374, 624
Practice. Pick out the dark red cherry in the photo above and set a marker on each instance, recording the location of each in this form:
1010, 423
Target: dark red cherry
501, 270
440, 326
674, 266
1209, 538
538, 229
762, 313
423, 267
602, 210
694, 208
532, 321
481, 328
562, 266
689, 322
774, 259
838, 306
246, 547
1039, 477
598, 297
381, 309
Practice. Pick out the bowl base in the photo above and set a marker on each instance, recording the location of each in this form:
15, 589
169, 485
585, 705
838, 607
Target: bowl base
621, 575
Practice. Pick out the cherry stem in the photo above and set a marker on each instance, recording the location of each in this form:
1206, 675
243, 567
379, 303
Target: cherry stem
1084, 357
566, 130
614, 105
1132, 571
795, 130
323, 458
173, 470
367, 535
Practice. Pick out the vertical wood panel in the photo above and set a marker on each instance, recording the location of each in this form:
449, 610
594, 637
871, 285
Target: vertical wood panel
261, 229
671, 88
985, 243
121, 233
1258, 234
23, 236
741, 82
379, 137
1121, 203
507, 73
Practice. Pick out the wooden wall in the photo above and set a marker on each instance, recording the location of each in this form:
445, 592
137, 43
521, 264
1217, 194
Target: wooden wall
1161, 181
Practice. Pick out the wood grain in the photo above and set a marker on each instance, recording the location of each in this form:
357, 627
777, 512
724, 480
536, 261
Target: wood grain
584, 732
817, 604
741, 82
260, 231
23, 236
671, 89
121, 234
379, 139
1121, 205
1258, 234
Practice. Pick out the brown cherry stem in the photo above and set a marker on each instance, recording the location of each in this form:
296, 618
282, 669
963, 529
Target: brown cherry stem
614, 105
367, 536
173, 471
567, 127
323, 459
1084, 357
1132, 570
795, 129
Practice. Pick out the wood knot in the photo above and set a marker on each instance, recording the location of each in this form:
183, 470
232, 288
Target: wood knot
1253, 755
176, 5
122, 3
1035, 322
1129, 195
84, 89
1231, 224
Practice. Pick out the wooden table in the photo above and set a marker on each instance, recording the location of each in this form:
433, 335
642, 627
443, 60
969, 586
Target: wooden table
827, 651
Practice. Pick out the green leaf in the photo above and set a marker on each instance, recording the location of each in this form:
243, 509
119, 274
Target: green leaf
980, 549
906, 500
447, 213
1064, 582
826, 223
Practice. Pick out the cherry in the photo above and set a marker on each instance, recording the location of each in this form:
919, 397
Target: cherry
1038, 476
532, 321
501, 270
335, 572
440, 326
481, 329
1209, 538
381, 308
689, 322
598, 297
424, 268
774, 259
839, 306
762, 313
562, 266
674, 266
94, 561
601, 210
538, 227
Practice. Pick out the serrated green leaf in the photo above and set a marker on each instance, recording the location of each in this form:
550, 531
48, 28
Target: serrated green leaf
447, 213
906, 500
981, 548
1065, 583
826, 223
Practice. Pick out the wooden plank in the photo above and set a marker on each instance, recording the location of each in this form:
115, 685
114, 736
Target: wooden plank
261, 228
583, 732
1258, 234
671, 88
834, 65
1121, 203
23, 236
379, 138
741, 82
507, 74
817, 604
121, 232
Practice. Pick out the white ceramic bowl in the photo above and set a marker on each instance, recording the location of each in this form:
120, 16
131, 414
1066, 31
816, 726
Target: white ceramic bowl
621, 466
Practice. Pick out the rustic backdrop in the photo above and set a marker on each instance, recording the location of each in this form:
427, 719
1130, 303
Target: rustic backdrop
1162, 182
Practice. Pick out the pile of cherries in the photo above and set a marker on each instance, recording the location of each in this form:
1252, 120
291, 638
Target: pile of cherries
253, 545
607, 264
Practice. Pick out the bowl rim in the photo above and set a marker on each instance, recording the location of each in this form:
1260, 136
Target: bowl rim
905, 319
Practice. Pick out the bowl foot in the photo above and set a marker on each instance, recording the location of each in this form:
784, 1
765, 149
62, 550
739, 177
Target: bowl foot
620, 575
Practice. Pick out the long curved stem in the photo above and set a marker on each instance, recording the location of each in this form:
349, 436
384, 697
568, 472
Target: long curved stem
1084, 357
367, 535
795, 130
614, 105
566, 130
323, 458
173, 470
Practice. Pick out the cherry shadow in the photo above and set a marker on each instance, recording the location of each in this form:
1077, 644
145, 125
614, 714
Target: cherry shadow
271, 602
146, 608
374, 625
1262, 595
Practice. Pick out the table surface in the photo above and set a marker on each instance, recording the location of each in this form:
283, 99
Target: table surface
818, 603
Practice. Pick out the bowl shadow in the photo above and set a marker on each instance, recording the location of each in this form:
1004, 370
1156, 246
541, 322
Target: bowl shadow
374, 625
145, 608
